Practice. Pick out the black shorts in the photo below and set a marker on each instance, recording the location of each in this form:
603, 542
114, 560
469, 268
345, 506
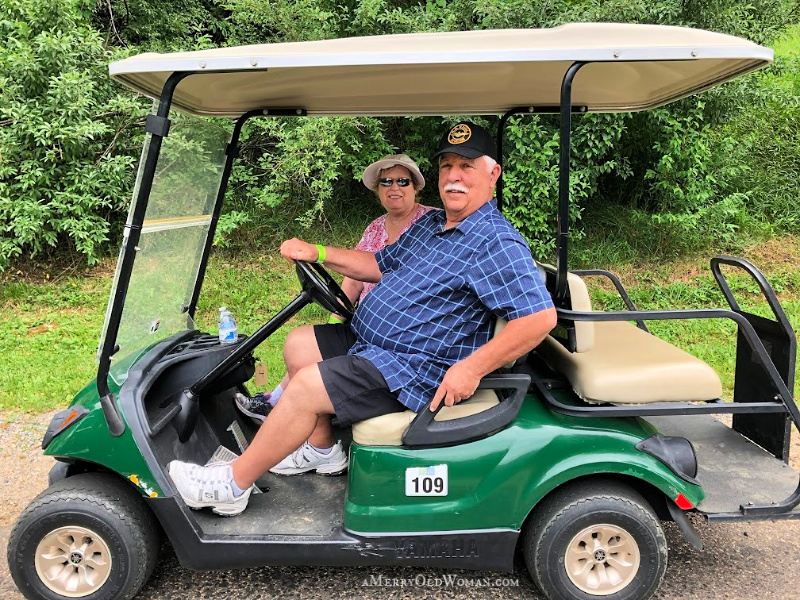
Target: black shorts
355, 386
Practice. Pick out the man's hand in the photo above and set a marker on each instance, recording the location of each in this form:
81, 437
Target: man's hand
459, 383
295, 249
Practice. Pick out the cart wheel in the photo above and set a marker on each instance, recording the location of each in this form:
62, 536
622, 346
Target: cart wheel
596, 540
89, 536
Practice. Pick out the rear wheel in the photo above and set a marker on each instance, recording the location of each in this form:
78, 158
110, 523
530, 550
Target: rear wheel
595, 540
89, 536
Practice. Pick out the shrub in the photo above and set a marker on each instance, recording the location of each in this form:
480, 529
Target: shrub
62, 174
767, 152
660, 164
67, 148
530, 181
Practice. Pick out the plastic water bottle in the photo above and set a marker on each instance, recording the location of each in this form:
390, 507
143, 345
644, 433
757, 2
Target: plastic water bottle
227, 327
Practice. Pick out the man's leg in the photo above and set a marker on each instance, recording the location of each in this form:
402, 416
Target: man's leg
302, 348
226, 488
305, 407
349, 386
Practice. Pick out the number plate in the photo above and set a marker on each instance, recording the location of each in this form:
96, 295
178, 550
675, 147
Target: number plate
426, 481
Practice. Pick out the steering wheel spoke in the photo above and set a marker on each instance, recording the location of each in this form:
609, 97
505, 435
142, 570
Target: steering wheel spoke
323, 288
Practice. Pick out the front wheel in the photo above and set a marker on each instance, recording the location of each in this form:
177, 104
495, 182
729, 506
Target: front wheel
89, 536
595, 540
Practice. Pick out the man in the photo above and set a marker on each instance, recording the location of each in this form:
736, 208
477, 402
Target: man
422, 332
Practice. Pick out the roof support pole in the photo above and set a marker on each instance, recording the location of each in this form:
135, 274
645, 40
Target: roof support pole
563, 183
158, 127
231, 152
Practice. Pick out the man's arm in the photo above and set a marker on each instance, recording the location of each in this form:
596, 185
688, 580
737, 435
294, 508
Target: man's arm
355, 264
517, 337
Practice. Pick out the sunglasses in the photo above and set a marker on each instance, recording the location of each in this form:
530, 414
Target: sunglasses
388, 181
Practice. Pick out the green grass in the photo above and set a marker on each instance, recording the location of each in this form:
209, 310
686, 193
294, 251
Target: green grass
48, 336
50, 327
255, 289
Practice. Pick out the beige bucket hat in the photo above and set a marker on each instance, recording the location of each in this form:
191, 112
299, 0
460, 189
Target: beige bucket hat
373, 172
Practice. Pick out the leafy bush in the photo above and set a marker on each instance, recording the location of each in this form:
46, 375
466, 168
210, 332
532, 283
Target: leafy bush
311, 162
162, 25
530, 193
767, 151
62, 174
68, 148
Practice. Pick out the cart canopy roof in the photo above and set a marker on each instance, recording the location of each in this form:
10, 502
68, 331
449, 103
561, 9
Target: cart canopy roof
636, 67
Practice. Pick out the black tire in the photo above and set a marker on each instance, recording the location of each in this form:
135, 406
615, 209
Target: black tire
628, 555
101, 524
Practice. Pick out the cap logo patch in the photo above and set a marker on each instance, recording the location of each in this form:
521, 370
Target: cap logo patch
459, 134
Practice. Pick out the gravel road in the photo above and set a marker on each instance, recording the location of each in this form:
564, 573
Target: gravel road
757, 561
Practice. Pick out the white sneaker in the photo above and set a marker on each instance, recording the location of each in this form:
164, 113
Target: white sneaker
208, 486
307, 458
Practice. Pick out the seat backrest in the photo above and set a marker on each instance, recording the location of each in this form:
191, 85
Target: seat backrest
565, 331
579, 299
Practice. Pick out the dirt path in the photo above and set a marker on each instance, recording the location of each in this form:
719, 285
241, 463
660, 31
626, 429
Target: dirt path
23, 467
743, 560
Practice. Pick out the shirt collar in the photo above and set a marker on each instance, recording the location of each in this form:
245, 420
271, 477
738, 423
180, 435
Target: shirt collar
471, 221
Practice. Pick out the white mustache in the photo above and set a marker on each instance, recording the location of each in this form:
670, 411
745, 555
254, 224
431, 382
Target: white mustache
454, 188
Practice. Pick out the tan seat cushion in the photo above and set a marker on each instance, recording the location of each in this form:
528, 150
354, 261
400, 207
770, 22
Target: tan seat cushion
579, 301
388, 430
629, 366
579, 298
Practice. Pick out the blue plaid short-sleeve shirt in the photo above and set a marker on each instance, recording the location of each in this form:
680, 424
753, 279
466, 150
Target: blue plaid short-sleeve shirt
438, 297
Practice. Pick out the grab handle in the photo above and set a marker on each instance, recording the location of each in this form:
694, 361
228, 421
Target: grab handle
752, 270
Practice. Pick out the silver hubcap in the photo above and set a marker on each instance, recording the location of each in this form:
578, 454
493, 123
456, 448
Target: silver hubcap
602, 559
73, 561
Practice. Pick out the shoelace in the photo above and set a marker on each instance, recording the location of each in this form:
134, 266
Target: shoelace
255, 403
299, 456
260, 399
214, 474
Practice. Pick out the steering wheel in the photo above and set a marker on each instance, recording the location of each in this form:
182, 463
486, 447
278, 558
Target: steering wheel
323, 289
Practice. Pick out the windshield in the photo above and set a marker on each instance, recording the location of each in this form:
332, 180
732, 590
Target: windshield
173, 236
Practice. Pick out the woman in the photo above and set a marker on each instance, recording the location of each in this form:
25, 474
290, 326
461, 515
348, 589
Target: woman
397, 180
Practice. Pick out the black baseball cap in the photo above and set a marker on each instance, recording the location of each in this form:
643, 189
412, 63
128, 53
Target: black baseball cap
468, 140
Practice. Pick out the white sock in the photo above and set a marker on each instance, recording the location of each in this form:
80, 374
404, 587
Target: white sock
237, 491
322, 450
276, 395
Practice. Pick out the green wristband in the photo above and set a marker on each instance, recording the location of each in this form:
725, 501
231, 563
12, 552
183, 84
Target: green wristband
321, 256
335, 319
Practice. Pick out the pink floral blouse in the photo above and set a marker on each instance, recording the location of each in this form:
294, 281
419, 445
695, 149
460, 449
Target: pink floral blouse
375, 238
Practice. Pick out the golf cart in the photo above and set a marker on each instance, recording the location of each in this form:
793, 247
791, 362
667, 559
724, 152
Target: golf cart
575, 454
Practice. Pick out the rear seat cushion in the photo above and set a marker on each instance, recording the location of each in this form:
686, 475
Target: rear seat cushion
630, 366
387, 430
